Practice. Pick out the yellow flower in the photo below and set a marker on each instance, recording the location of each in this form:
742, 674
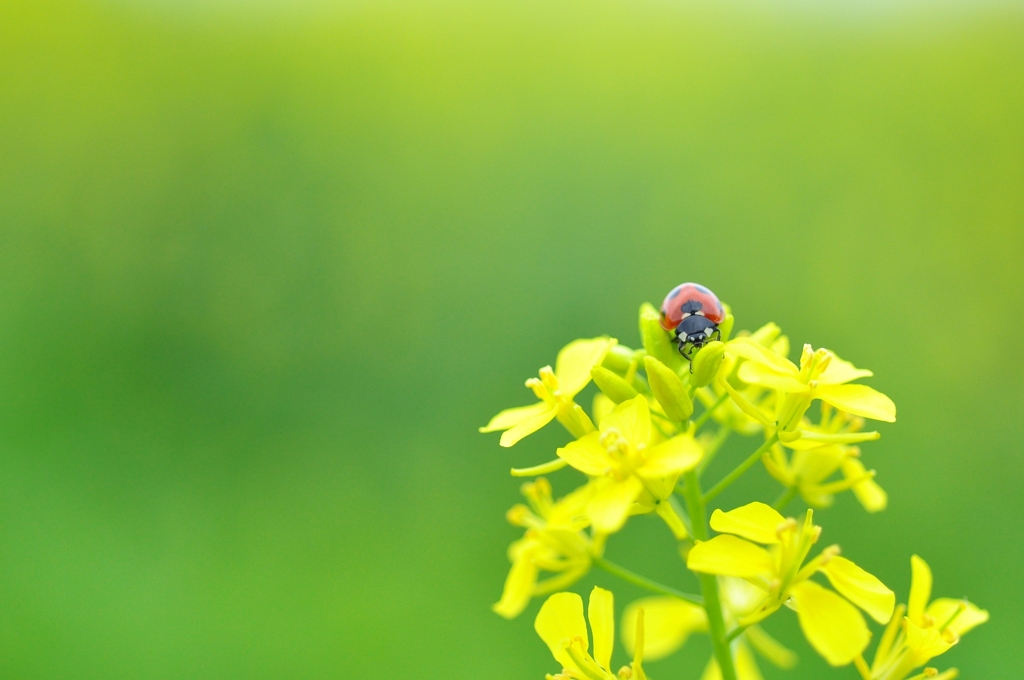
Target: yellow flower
817, 458
554, 542
729, 413
636, 467
833, 626
821, 375
669, 622
928, 629
561, 626
556, 390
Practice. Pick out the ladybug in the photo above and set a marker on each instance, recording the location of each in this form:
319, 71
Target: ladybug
691, 313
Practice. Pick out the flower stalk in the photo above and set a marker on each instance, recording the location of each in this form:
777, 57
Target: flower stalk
739, 470
709, 584
644, 582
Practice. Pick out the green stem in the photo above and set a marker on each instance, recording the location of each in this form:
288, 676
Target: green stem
784, 498
644, 582
709, 411
740, 469
709, 582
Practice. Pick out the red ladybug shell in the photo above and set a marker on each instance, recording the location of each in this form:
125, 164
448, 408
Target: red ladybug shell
672, 308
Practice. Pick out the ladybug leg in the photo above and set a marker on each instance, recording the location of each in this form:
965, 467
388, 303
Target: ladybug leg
715, 335
684, 349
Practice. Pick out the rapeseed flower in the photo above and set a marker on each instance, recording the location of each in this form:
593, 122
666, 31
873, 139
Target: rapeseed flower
821, 375
729, 413
928, 629
817, 458
642, 438
560, 624
555, 541
556, 390
669, 622
833, 626
635, 468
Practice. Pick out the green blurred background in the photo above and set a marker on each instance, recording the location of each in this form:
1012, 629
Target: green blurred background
264, 270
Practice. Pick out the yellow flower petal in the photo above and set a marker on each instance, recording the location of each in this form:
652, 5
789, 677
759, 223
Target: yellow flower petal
632, 418
943, 609
832, 625
860, 588
602, 407
741, 596
587, 455
813, 466
711, 671
575, 361
511, 417
746, 665
727, 555
755, 521
925, 643
570, 511
609, 506
860, 400
561, 618
526, 427
744, 662
839, 371
868, 492
920, 589
601, 614
679, 454
752, 350
519, 583
668, 623
759, 374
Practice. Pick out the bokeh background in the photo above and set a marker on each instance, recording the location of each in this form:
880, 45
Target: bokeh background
265, 268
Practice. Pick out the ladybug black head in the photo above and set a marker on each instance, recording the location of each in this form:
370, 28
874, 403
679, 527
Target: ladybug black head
694, 332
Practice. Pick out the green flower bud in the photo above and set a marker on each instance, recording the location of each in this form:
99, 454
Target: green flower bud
618, 359
657, 342
707, 362
616, 388
726, 327
669, 390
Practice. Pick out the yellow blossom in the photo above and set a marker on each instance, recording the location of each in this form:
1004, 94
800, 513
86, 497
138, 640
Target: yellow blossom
833, 626
560, 624
669, 622
554, 542
635, 466
556, 390
729, 413
817, 458
928, 629
821, 375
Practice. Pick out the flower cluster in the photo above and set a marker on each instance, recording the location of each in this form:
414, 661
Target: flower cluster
641, 448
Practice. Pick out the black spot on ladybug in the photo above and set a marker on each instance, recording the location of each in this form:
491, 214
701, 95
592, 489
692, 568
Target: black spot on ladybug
701, 288
692, 307
675, 292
